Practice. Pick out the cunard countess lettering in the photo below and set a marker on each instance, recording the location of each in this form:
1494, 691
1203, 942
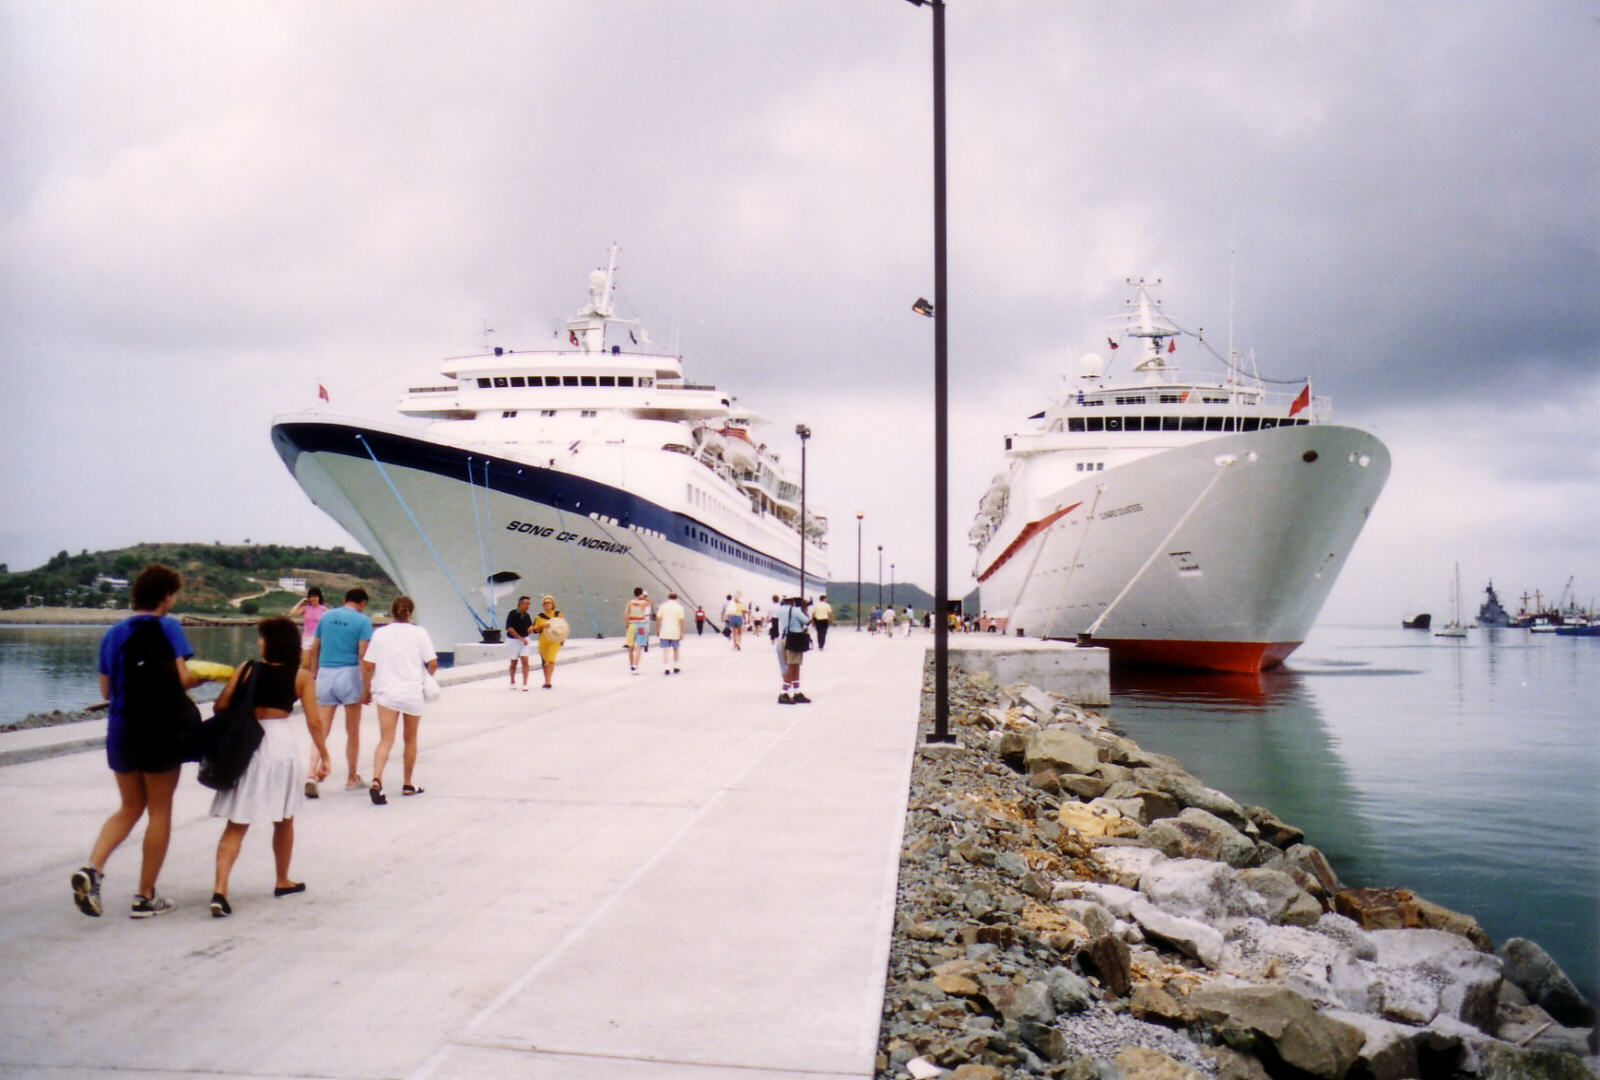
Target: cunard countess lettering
545, 532
1131, 508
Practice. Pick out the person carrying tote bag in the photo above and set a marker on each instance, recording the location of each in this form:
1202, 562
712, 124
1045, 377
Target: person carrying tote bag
553, 631
793, 621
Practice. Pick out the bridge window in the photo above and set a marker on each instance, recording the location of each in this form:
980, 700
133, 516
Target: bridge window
1097, 423
1074, 423
588, 380
1249, 423
484, 384
1169, 423
569, 380
1152, 423
624, 380
1191, 423
518, 380
608, 380
1213, 423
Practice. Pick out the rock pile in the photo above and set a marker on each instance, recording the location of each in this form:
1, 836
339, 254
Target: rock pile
1073, 906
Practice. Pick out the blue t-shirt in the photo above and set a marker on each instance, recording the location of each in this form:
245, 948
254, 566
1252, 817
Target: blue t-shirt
340, 632
111, 654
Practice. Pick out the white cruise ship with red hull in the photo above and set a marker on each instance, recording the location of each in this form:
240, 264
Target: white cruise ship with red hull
1181, 521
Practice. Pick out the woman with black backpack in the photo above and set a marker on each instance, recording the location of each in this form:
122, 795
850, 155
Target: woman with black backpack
144, 676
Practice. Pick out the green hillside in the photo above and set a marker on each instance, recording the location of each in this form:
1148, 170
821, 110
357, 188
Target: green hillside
213, 575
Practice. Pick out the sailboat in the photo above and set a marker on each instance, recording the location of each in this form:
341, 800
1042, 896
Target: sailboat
1453, 628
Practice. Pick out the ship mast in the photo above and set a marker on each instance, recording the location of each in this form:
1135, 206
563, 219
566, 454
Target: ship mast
1150, 325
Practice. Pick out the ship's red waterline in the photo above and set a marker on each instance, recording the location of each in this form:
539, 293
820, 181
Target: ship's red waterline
1244, 657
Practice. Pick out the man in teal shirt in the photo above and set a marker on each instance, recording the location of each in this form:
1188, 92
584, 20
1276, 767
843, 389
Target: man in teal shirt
335, 659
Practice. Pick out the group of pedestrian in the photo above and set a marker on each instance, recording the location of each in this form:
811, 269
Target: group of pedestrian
886, 619
338, 660
546, 632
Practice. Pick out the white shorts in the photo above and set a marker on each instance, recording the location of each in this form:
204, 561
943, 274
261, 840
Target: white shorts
520, 648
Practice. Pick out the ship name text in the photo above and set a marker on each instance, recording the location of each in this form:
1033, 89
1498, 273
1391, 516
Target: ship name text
1131, 508
546, 532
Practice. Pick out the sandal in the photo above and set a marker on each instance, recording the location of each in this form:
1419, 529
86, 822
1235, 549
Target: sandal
376, 791
410, 789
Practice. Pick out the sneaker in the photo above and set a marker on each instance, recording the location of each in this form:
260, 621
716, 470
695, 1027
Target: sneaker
677, 671
800, 699
86, 890
785, 699
143, 908
311, 789
219, 906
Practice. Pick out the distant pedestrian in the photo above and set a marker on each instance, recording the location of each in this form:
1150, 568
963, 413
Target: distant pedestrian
636, 626
908, 618
669, 629
551, 630
311, 608
822, 618
874, 620
143, 674
733, 618
886, 619
269, 788
793, 620
699, 620
519, 629
335, 659
397, 663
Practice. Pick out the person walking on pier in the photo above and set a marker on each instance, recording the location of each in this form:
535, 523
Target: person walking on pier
335, 659
822, 618
398, 663
269, 787
636, 626
733, 618
792, 621
669, 629
519, 625
699, 620
312, 608
145, 677
551, 630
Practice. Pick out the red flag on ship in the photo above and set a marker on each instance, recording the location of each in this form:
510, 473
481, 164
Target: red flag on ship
1172, 346
322, 392
1113, 344
572, 336
1302, 400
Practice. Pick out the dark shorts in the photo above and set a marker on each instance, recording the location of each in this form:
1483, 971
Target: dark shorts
124, 755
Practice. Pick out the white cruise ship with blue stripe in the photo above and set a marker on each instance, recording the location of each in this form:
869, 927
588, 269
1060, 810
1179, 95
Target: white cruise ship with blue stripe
581, 469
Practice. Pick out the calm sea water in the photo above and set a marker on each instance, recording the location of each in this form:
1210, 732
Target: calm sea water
1466, 771
43, 668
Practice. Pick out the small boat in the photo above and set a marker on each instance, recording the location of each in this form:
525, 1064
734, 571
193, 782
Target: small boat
1453, 628
1583, 629
1420, 621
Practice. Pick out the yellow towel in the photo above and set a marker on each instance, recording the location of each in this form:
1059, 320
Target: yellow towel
210, 670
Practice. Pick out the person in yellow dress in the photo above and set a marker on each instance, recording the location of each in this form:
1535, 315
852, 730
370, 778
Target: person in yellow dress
551, 634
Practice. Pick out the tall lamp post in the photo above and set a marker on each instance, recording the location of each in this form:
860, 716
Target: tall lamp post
859, 516
804, 433
880, 575
891, 584
941, 400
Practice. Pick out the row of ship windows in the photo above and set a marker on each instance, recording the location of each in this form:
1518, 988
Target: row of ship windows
1164, 399
737, 552
509, 413
1173, 423
503, 381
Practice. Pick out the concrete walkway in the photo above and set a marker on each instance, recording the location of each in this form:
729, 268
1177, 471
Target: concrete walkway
639, 877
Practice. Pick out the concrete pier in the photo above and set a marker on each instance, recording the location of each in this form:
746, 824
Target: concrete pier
634, 876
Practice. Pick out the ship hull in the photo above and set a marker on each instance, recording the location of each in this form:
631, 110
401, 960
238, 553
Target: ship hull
1214, 555
464, 532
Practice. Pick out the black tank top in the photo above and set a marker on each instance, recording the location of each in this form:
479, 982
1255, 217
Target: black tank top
275, 686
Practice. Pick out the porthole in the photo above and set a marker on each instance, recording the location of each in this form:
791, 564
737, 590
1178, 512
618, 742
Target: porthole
1309, 456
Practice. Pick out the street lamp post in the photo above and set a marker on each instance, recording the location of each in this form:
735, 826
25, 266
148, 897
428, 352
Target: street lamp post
859, 516
941, 401
805, 434
891, 584
880, 576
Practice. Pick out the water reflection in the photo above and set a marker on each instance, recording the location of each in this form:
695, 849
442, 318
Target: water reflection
1264, 740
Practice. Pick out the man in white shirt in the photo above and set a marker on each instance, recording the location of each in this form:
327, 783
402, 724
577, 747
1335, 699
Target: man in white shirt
669, 629
822, 618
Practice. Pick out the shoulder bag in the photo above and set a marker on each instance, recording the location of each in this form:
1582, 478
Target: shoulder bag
229, 739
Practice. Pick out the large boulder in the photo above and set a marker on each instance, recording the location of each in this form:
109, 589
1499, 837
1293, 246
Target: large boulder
1280, 1027
1095, 819
1200, 834
1319, 878
1189, 936
1530, 968
1502, 1061
1062, 750
1402, 909
1443, 966
1284, 899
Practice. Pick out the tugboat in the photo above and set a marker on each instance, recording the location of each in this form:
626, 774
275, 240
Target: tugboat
1420, 621
1490, 613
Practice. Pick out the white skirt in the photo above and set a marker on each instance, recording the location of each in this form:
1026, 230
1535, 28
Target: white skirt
272, 787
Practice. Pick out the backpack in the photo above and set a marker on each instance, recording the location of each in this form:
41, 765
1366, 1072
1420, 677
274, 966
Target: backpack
160, 719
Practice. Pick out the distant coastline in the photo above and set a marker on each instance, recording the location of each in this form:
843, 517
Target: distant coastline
66, 616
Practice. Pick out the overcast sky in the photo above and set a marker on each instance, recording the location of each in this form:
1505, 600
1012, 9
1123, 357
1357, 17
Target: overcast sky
208, 209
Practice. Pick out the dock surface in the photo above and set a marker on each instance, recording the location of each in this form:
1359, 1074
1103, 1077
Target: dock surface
638, 877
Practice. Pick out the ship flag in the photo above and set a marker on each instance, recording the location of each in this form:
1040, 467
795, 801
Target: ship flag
1113, 344
1172, 346
322, 392
1302, 400
572, 336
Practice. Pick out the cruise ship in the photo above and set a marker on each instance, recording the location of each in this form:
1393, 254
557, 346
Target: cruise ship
1182, 520
583, 468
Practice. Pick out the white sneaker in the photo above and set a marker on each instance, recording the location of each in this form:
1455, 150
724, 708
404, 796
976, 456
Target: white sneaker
155, 905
